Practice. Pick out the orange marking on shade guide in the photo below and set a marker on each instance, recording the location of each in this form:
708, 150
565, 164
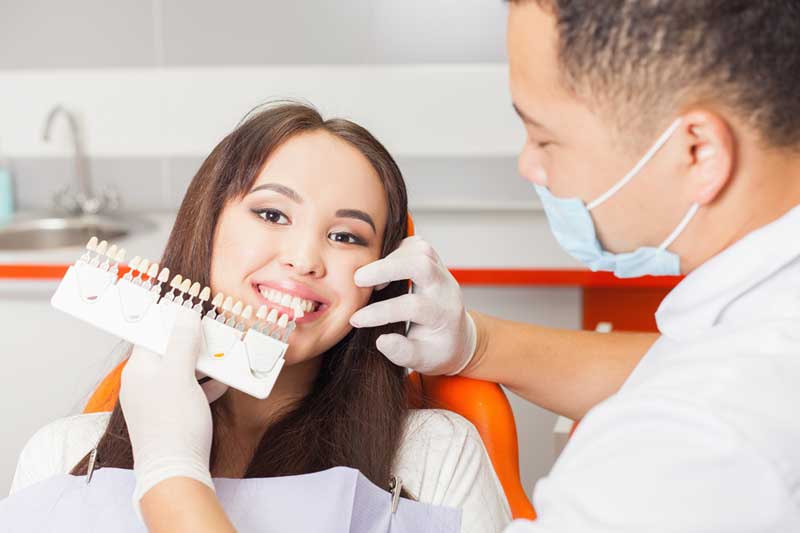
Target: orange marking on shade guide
218, 355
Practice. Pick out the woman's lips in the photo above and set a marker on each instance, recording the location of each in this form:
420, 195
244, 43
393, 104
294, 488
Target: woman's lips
309, 316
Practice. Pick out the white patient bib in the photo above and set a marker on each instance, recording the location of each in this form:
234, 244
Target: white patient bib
339, 500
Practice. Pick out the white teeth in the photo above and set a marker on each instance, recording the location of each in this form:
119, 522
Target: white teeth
287, 300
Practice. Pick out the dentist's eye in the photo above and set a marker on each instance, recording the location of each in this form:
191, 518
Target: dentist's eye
272, 215
346, 238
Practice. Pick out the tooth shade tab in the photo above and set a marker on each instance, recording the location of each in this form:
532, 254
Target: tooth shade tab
227, 304
247, 313
164, 276
283, 321
205, 294
134, 262
92, 244
185, 286
176, 281
112, 251
261, 314
237, 308
101, 248
120, 256
144, 264
272, 317
152, 272
217, 301
194, 290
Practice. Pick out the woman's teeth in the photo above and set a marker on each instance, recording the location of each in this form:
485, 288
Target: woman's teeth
287, 300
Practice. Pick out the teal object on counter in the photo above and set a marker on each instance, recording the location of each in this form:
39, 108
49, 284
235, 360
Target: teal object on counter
6, 194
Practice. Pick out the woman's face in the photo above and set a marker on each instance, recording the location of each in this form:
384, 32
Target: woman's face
315, 214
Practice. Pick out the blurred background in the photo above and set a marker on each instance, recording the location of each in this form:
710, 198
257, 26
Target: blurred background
107, 110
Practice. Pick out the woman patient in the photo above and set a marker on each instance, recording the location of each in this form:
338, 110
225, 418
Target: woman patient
291, 204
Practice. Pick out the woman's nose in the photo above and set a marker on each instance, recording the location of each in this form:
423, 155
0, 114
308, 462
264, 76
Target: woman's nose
304, 260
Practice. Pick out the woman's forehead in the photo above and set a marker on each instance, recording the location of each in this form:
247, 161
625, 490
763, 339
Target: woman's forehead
325, 170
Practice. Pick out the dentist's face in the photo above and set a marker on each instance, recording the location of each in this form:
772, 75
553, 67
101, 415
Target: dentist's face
315, 214
577, 154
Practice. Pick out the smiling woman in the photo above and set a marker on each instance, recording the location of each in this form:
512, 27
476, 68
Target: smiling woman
285, 209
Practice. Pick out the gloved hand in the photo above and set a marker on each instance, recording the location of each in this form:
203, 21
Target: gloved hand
441, 338
167, 412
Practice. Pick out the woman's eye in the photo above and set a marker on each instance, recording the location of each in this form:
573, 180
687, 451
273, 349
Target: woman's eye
344, 237
273, 216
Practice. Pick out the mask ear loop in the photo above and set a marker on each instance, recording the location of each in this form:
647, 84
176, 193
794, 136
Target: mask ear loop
635, 170
677, 231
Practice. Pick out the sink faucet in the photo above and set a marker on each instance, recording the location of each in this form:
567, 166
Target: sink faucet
78, 199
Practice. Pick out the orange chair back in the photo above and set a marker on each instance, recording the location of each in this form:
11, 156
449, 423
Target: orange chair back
486, 406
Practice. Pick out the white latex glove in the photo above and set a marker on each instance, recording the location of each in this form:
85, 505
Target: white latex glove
441, 338
167, 412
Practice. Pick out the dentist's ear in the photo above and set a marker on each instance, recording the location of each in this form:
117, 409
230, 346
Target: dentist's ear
711, 154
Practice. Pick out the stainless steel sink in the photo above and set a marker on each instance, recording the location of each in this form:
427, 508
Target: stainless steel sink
53, 231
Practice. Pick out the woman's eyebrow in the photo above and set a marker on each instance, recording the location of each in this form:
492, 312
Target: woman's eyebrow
355, 213
280, 189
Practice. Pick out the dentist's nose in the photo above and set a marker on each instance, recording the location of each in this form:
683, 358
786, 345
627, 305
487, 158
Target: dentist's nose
530, 167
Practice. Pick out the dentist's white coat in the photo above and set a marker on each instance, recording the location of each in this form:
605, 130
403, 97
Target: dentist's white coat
705, 434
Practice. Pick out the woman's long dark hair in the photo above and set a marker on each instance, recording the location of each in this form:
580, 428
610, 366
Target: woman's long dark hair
355, 413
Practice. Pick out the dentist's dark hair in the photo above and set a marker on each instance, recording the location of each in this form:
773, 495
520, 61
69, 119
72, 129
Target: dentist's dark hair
355, 413
643, 59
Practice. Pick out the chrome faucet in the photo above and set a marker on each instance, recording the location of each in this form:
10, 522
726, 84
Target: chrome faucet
78, 198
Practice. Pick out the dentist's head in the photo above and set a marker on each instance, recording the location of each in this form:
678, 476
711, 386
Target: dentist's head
667, 129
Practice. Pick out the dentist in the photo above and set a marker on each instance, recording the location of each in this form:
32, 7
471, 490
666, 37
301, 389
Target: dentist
663, 138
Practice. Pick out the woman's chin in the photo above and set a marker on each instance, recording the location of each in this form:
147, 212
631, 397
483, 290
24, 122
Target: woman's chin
296, 355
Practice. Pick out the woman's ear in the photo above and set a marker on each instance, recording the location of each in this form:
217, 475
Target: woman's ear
710, 154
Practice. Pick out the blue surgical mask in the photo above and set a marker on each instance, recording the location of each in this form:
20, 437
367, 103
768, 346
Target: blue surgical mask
574, 229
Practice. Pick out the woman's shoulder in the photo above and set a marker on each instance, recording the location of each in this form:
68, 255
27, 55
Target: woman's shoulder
442, 461
424, 425
57, 447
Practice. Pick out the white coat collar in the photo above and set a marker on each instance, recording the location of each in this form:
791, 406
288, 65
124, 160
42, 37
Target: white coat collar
698, 301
